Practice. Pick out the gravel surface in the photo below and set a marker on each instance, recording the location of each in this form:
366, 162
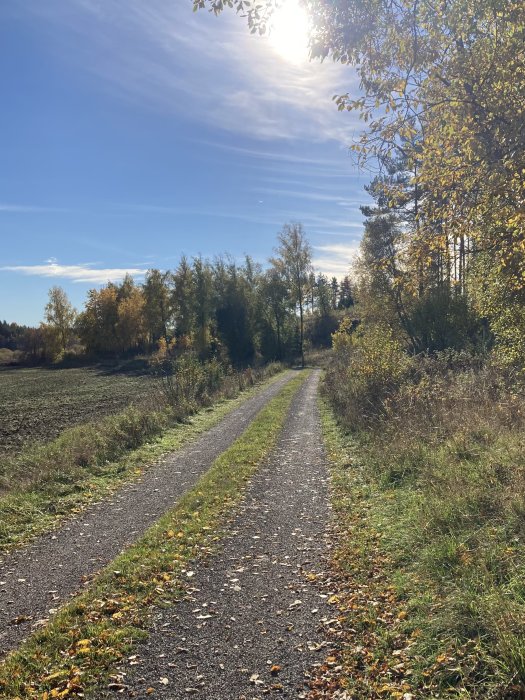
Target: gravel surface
35, 580
253, 621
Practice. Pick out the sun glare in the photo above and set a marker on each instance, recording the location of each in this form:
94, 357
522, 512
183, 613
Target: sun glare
289, 31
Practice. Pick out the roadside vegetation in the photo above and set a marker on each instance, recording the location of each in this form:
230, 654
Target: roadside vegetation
78, 651
433, 500
43, 483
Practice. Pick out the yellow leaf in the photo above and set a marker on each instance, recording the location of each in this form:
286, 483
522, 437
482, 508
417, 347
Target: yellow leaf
57, 674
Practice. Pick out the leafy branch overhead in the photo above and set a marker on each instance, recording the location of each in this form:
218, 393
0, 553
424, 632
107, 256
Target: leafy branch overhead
442, 100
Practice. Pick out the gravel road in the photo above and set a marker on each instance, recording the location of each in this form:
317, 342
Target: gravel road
35, 580
253, 621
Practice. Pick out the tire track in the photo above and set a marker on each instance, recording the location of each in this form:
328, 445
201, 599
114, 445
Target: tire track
253, 622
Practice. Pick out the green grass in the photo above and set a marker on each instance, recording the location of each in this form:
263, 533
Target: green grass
79, 649
48, 482
434, 529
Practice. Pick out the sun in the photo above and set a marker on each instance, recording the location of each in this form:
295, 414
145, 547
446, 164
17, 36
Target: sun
289, 31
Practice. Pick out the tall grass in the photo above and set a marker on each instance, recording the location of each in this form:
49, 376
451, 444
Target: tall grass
189, 384
446, 444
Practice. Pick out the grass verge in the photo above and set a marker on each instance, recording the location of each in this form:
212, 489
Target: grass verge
429, 561
79, 649
91, 460
377, 640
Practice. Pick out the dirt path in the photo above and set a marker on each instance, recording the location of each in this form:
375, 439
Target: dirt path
252, 608
34, 581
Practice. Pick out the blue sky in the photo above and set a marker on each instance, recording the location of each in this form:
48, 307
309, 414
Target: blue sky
133, 131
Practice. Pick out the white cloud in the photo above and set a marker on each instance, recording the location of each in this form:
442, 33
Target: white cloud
335, 260
312, 196
76, 273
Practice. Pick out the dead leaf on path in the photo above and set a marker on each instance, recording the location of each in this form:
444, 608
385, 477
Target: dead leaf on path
255, 680
20, 619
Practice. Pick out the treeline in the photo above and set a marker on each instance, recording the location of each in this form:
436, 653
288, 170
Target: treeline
241, 313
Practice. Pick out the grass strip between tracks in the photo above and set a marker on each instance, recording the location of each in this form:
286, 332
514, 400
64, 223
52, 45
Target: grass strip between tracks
78, 650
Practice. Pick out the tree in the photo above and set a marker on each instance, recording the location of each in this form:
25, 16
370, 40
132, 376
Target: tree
334, 286
60, 317
97, 324
131, 326
183, 300
234, 310
294, 262
203, 304
274, 292
346, 297
157, 305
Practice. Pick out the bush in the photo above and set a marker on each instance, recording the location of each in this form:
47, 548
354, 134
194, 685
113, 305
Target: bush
369, 365
189, 383
9, 357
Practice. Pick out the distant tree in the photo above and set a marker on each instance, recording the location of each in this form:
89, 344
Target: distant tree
97, 324
12, 335
131, 326
346, 297
275, 297
203, 305
334, 285
157, 305
60, 317
33, 345
234, 311
324, 295
183, 300
294, 261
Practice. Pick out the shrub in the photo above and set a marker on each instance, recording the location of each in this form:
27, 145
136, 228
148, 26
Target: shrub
369, 365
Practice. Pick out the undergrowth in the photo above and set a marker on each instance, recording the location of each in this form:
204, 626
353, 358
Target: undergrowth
441, 452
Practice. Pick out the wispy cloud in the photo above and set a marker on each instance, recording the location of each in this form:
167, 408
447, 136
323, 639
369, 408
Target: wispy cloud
87, 273
27, 209
172, 60
311, 195
335, 260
